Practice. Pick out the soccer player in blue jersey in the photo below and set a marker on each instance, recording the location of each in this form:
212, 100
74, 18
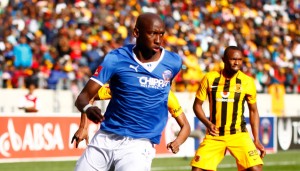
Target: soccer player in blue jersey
174, 108
140, 76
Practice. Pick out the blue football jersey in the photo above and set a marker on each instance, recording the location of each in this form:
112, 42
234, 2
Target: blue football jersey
138, 107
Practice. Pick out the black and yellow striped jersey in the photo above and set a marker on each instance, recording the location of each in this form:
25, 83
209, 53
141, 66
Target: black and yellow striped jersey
174, 107
226, 100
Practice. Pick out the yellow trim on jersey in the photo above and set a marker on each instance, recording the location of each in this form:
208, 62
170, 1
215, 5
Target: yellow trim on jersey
104, 92
174, 107
227, 97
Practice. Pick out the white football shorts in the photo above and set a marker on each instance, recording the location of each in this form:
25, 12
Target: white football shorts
111, 152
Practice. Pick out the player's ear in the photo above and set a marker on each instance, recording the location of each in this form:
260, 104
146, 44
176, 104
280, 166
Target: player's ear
136, 32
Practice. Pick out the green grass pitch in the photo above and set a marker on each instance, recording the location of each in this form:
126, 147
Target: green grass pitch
283, 161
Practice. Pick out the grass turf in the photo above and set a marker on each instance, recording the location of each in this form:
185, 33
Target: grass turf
283, 161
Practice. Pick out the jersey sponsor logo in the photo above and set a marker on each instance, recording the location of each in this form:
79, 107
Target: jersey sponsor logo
224, 98
155, 83
175, 111
133, 67
97, 72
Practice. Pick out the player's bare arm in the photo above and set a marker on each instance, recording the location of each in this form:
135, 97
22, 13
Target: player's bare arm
197, 107
185, 130
182, 135
82, 132
83, 105
254, 122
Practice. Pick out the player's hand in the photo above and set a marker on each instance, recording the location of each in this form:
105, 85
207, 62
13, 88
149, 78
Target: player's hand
212, 130
94, 114
261, 148
80, 134
173, 146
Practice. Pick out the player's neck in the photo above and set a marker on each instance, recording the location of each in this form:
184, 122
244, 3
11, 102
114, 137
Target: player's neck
147, 56
228, 74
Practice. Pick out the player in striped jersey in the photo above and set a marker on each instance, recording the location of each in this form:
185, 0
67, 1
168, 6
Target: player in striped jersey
227, 91
174, 108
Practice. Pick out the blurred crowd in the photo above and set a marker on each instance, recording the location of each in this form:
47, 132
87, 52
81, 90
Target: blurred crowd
59, 43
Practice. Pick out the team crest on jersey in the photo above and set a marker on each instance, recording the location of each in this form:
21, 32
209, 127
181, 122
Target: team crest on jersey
238, 88
97, 72
167, 75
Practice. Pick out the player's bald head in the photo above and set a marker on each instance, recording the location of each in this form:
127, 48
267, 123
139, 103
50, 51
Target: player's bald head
147, 19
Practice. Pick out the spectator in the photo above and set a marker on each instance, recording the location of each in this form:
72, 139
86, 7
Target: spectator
57, 74
30, 102
94, 56
291, 80
201, 29
22, 53
263, 76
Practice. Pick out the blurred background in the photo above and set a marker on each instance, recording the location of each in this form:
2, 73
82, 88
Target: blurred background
50, 48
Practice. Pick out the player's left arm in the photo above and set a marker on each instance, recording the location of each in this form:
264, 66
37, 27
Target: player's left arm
185, 129
183, 134
254, 122
254, 116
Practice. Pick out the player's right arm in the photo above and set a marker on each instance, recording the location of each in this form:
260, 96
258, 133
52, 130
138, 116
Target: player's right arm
82, 132
201, 95
199, 112
104, 93
83, 105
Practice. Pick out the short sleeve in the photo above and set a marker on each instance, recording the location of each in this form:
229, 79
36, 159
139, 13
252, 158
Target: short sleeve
202, 90
106, 69
251, 92
104, 92
173, 105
